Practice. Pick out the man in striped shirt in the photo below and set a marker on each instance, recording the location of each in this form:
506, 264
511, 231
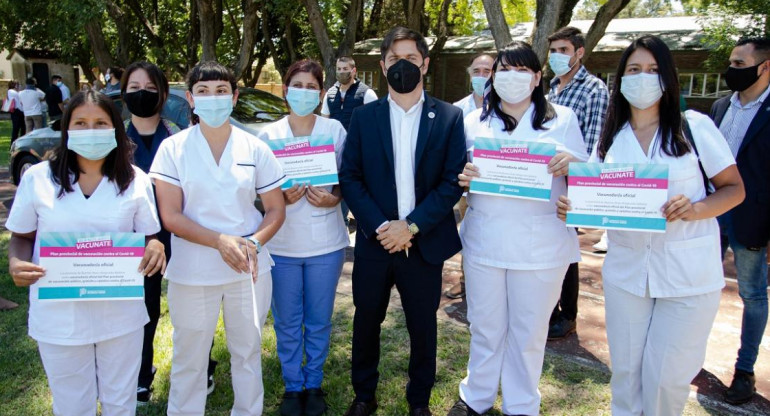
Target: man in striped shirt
587, 96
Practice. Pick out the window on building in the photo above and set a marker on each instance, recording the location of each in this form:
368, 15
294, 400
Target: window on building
370, 78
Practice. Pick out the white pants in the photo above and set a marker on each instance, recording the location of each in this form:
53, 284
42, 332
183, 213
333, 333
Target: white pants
78, 374
657, 346
194, 312
508, 311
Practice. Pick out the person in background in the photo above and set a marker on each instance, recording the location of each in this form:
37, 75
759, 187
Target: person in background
513, 277
207, 178
112, 78
53, 98
587, 96
88, 348
31, 104
480, 70
18, 128
308, 251
65, 90
662, 290
744, 119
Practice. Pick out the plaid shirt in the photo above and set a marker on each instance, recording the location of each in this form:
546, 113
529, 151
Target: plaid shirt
587, 96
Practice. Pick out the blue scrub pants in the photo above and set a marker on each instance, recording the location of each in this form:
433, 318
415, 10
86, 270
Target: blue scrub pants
303, 301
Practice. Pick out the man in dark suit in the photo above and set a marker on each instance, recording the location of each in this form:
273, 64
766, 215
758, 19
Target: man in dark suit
744, 120
399, 177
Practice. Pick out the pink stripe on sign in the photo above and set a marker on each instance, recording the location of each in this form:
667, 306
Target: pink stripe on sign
642, 183
513, 157
304, 151
106, 252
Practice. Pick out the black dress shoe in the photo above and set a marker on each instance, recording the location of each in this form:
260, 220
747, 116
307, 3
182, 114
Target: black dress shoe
420, 411
291, 405
741, 389
315, 405
362, 408
561, 328
461, 409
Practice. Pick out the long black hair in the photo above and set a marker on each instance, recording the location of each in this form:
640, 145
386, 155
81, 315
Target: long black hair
117, 165
518, 53
673, 142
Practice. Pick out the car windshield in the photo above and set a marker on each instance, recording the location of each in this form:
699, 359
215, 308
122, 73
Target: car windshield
255, 106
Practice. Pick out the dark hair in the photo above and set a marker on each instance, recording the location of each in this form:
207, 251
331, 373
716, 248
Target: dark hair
55, 77
116, 72
117, 165
570, 33
761, 47
673, 142
210, 71
518, 53
402, 33
31, 81
347, 60
306, 65
156, 76
12, 84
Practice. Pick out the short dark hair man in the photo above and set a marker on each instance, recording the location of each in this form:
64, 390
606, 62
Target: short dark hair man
347, 94
744, 120
587, 96
112, 78
399, 176
54, 99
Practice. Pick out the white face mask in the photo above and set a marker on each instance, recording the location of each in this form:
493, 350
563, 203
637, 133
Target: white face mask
513, 86
641, 90
559, 63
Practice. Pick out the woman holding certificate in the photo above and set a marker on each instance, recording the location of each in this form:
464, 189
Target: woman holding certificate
308, 251
662, 290
515, 251
88, 348
207, 178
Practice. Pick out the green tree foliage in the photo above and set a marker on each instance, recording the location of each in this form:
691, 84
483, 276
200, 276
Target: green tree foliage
726, 21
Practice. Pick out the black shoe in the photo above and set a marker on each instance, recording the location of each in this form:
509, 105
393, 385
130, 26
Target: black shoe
362, 408
561, 328
291, 405
315, 405
143, 396
741, 389
461, 409
420, 411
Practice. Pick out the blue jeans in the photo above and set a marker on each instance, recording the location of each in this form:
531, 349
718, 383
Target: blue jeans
752, 287
303, 298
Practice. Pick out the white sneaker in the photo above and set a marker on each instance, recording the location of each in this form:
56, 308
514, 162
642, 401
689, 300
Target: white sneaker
602, 244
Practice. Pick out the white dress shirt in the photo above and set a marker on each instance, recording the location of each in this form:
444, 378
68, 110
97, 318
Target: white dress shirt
31, 102
685, 260
404, 126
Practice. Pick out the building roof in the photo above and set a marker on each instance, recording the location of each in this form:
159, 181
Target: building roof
679, 33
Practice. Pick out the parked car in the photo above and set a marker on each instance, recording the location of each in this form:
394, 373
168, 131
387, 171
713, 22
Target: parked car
254, 110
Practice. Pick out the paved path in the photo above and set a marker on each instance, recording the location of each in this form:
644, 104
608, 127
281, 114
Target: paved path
589, 346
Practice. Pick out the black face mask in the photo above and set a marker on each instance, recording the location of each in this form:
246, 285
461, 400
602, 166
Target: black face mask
141, 103
403, 76
738, 79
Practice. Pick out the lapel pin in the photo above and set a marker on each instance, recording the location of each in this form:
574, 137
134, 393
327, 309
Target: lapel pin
431, 115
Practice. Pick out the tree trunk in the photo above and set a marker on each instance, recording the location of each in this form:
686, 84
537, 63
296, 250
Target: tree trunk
318, 24
193, 36
351, 26
248, 37
497, 25
98, 45
603, 17
414, 10
547, 16
442, 33
120, 19
261, 60
565, 14
266, 18
147, 26
374, 19
208, 29
219, 25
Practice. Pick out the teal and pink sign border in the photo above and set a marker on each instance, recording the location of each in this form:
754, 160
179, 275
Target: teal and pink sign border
305, 146
512, 151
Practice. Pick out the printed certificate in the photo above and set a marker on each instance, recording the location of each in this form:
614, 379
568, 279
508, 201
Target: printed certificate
306, 160
91, 266
618, 196
512, 168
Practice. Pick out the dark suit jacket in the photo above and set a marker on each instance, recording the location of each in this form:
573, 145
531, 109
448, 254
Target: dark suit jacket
368, 183
751, 219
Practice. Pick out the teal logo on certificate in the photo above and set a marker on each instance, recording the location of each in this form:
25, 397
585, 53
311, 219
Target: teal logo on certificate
618, 196
513, 168
306, 160
91, 266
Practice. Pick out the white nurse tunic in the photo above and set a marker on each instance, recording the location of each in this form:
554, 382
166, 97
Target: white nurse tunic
309, 230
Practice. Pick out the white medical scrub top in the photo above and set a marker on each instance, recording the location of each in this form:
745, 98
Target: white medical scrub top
685, 260
308, 230
520, 234
467, 104
218, 197
37, 207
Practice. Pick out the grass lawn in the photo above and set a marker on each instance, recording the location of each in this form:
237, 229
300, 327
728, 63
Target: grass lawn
5, 142
568, 388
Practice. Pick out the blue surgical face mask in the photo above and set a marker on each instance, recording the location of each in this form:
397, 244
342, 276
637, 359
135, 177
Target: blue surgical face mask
559, 63
479, 83
92, 144
303, 101
213, 110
